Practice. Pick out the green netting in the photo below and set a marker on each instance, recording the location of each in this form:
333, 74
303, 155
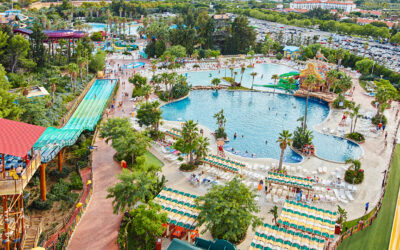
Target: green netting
85, 117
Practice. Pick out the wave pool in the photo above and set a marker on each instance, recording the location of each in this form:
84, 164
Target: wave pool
259, 117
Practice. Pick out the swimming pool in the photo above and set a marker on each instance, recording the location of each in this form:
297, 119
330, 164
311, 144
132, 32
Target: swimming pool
133, 65
264, 74
96, 27
260, 117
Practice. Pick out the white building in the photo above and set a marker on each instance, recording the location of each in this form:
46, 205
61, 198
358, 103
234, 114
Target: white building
323, 4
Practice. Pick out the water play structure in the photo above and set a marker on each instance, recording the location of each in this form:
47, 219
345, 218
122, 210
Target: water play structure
85, 117
284, 82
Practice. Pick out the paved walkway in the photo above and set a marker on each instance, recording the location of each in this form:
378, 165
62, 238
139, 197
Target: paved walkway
98, 228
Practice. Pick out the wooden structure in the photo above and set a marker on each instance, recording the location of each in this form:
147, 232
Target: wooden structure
19, 163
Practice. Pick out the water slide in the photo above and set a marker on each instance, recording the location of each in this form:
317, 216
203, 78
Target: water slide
85, 117
283, 82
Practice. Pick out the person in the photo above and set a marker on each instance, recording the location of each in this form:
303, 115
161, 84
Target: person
366, 207
19, 170
266, 141
385, 135
234, 136
242, 136
247, 152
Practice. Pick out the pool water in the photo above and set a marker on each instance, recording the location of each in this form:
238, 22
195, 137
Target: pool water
260, 117
133, 65
263, 77
96, 27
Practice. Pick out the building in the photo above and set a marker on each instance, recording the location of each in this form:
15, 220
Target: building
323, 4
291, 52
222, 24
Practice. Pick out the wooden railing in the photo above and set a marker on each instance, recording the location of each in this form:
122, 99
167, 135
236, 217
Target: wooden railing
9, 185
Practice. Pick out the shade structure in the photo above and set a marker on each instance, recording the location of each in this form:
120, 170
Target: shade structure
17, 138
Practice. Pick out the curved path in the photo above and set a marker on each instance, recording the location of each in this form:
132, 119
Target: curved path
98, 228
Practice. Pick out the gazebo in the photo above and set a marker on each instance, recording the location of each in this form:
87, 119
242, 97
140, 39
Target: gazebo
16, 149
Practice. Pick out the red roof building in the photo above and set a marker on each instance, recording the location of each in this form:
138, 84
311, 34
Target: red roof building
17, 138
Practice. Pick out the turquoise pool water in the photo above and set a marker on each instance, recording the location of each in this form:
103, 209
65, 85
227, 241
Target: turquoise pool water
260, 117
264, 74
133, 65
96, 27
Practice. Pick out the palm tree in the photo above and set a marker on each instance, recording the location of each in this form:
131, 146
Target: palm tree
354, 115
242, 70
284, 140
275, 77
201, 148
188, 143
330, 41
53, 89
234, 77
356, 164
331, 77
274, 212
231, 69
253, 75
309, 84
366, 45
147, 90
215, 82
72, 69
339, 56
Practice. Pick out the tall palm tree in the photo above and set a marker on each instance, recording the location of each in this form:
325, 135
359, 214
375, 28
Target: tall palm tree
215, 82
274, 212
309, 84
253, 75
188, 141
72, 69
284, 140
339, 56
231, 69
331, 77
201, 148
366, 45
354, 114
242, 70
275, 77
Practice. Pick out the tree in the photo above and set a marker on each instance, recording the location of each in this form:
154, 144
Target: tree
141, 184
227, 211
131, 145
149, 114
242, 70
215, 82
177, 51
275, 77
188, 143
331, 78
309, 84
242, 38
18, 48
114, 128
284, 140
72, 72
365, 66
366, 45
342, 215
253, 75
201, 151
221, 121
96, 37
354, 114
8, 108
143, 225
37, 45
3, 41
384, 92
98, 62
274, 212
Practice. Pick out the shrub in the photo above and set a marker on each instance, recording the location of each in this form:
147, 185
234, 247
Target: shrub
301, 138
55, 174
180, 90
38, 204
279, 56
76, 181
377, 118
220, 133
338, 100
96, 36
354, 176
187, 167
358, 137
163, 95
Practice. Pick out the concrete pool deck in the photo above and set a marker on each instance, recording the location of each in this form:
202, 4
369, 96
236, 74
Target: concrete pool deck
374, 162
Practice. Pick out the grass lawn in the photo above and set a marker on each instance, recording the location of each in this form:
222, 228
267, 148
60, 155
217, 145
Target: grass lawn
151, 159
377, 236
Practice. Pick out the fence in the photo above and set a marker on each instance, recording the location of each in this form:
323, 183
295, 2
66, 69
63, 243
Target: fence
71, 221
363, 224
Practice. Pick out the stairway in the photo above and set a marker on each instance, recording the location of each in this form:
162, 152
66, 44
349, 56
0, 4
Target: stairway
32, 233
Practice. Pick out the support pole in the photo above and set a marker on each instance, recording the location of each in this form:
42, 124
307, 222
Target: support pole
60, 160
4, 165
5, 218
43, 181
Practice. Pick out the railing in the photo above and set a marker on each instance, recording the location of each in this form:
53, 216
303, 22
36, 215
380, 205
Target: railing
11, 186
364, 224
